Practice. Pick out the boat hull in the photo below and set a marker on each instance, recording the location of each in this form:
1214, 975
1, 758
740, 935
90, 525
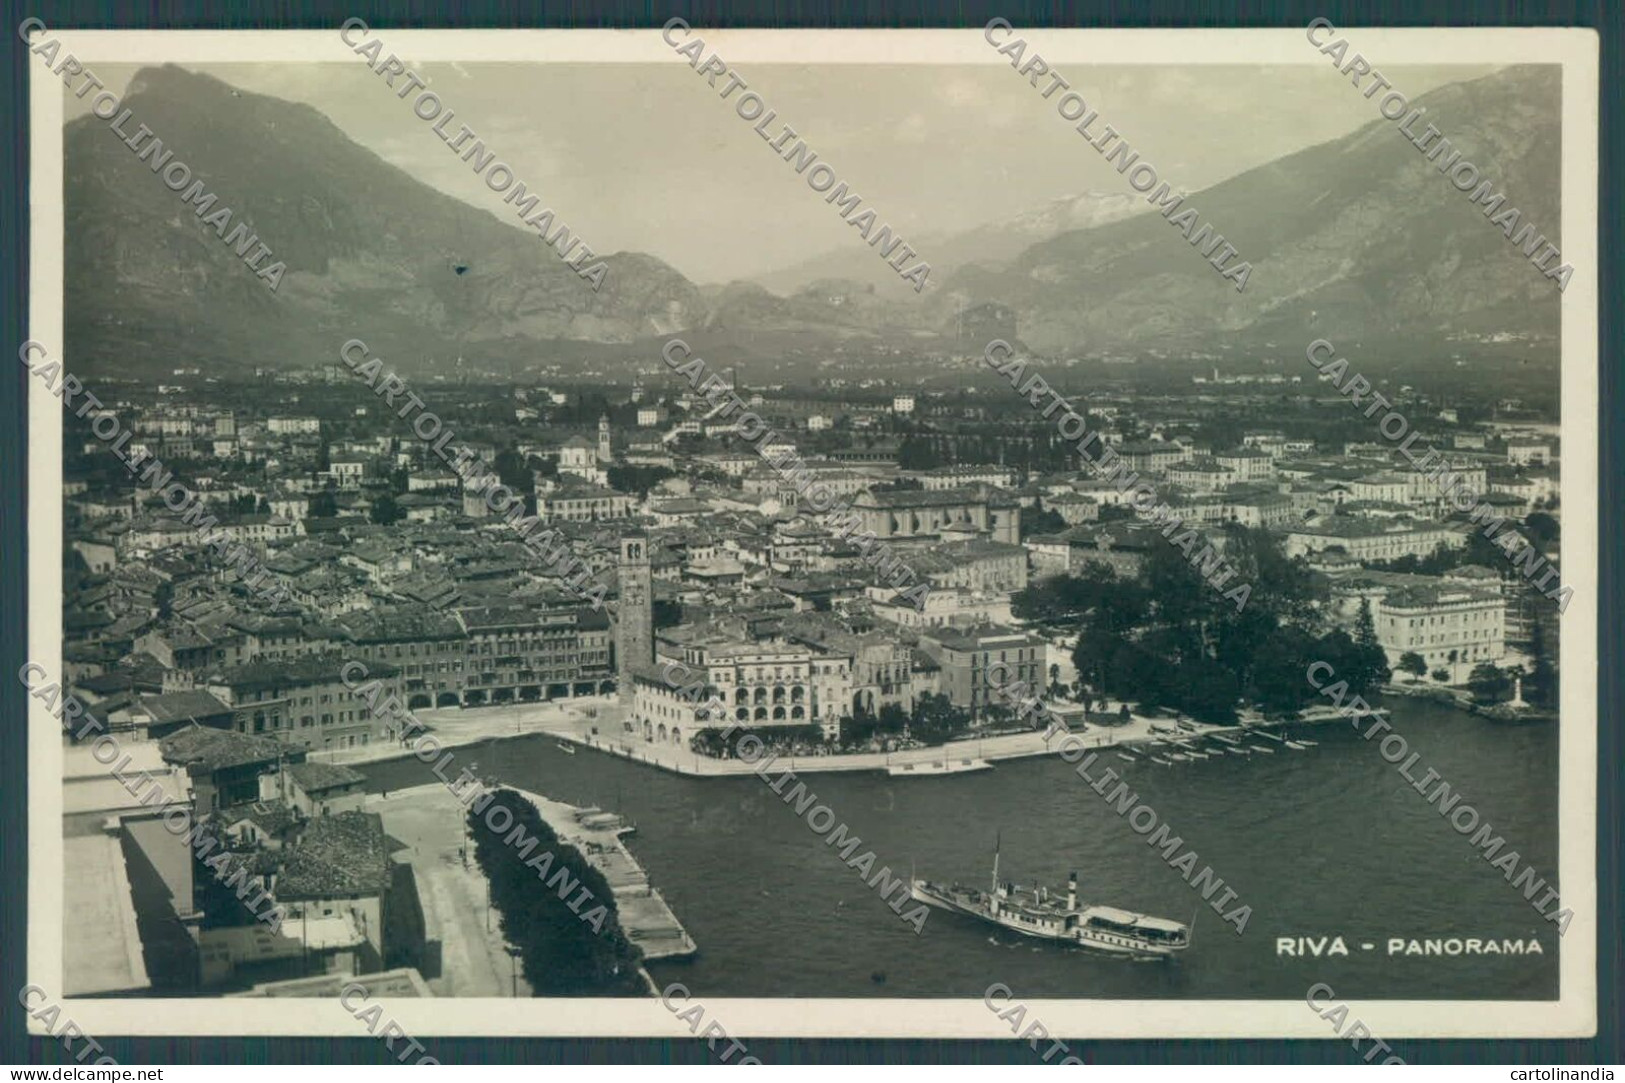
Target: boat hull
1099, 942
936, 768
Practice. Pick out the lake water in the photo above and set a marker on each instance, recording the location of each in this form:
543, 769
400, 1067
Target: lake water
1330, 841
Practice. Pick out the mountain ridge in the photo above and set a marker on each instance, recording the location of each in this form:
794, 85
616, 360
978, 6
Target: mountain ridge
1357, 234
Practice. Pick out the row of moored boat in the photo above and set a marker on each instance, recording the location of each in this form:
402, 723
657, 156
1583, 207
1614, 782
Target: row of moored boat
1169, 748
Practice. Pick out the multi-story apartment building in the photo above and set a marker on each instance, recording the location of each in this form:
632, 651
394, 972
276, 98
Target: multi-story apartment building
292, 426
1199, 476
940, 607
966, 656
258, 529
1247, 464
977, 565
913, 513
716, 681
527, 654
583, 504
1385, 487
1119, 546
428, 647
1248, 505
183, 650
347, 473
1370, 540
958, 477
1153, 456
1452, 627
304, 701
1072, 508
1522, 451
882, 665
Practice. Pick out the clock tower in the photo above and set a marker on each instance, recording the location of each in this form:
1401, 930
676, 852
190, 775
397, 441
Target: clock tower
634, 621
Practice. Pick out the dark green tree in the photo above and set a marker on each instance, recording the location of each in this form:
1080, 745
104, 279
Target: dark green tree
666, 613
512, 471
385, 511
1369, 665
636, 479
936, 720
918, 453
1412, 663
1205, 690
567, 944
1036, 522
1542, 529
1488, 683
163, 599
892, 719
1541, 688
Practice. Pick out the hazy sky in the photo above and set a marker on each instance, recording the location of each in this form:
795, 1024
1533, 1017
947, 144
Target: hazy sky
647, 157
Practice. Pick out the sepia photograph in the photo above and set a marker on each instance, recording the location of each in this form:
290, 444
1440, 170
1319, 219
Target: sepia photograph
1008, 533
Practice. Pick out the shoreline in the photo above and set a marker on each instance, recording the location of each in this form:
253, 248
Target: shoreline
450, 887
645, 916
575, 725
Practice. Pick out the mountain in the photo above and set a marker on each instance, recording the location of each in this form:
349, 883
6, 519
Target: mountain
371, 252
1358, 237
1361, 236
991, 244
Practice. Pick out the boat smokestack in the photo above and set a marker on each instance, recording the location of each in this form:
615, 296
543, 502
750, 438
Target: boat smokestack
1072, 891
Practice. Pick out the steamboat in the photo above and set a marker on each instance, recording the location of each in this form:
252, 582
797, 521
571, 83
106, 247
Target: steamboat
1036, 912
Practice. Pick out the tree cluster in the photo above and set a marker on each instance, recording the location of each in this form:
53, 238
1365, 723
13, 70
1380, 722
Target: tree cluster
1164, 638
637, 479
561, 953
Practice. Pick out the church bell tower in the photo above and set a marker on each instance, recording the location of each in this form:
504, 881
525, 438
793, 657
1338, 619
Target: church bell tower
634, 622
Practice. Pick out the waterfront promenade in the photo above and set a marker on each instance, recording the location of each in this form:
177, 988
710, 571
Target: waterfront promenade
574, 722
461, 727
